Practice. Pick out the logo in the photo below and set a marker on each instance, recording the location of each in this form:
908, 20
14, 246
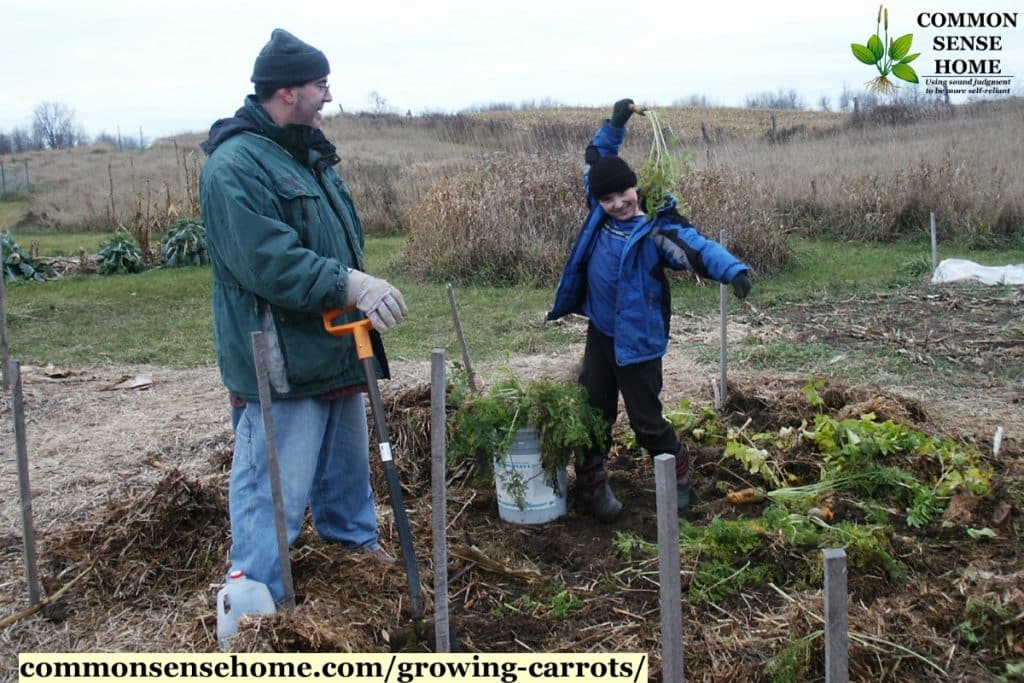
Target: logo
887, 55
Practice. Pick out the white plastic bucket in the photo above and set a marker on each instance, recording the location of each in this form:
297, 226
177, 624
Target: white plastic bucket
539, 502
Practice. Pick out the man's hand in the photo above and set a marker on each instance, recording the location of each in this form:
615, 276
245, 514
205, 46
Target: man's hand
741, 285
621, 112
377, 299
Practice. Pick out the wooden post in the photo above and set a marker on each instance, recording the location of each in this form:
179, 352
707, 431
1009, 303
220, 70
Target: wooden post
3, 181
704, 133
775, 131
473, 386
28, 185
5, 348
438, 472
259, 354
24, 489
837, 636
723, 296
668, 568
935, 243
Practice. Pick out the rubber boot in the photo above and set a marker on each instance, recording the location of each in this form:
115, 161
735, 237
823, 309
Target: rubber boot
683, 479
594, 494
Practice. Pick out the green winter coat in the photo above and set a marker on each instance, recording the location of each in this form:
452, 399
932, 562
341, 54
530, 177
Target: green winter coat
282, 234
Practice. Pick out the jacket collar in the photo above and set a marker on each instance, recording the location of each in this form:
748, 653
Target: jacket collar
309, 146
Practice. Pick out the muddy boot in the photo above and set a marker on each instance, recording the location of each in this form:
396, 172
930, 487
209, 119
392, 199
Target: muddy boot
683, 479
594, 494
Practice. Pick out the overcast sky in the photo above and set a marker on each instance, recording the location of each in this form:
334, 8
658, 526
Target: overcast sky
175, 67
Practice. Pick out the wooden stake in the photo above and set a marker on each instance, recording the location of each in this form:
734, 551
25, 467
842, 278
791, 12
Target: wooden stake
259, 356
473, 386
668, 568
24, 488
935, 244
723, 297
438, 470
5, 349
837, 636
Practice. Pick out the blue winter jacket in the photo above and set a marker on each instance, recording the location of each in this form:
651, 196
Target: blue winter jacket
643, 307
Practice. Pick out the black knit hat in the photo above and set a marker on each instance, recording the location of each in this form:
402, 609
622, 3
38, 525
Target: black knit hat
286, 60
610, 174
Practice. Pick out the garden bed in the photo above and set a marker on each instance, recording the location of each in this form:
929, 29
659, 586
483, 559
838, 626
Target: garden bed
130, 490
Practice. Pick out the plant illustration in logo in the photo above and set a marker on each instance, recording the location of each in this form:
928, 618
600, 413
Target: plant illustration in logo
888, 56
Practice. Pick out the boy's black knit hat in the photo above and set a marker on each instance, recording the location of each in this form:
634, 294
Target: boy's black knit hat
286, 60
610, 174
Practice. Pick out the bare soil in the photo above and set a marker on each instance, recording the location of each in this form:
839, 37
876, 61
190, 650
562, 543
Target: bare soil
129, 504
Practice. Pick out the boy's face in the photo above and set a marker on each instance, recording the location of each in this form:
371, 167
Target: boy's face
621, 205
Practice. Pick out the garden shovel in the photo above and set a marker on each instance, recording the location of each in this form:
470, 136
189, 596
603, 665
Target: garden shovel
360, 331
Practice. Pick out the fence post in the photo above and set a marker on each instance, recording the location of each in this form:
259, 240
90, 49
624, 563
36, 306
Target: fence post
668, 568
3, 181
24, 488
28, 183
439, 500
837, 622
723, 295
935, 244
5, 347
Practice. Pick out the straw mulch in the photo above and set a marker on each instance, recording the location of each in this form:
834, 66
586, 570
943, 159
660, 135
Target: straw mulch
132, 516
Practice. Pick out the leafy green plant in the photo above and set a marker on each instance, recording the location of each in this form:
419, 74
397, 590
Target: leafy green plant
558, 604
755, 460
19, 266
483, 425
888, 56
658, 175
625, 544
562, 603
119, 256
791, 663
704, 425
715, 579
984, 623
184, 244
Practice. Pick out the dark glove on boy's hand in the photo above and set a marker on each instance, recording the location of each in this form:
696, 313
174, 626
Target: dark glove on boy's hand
741, 285
621, 112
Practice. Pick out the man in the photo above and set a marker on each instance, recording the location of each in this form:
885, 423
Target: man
286, 244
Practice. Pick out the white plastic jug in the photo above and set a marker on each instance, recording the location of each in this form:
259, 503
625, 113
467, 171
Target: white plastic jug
240, 596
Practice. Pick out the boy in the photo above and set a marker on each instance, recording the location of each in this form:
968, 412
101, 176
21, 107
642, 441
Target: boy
615, 276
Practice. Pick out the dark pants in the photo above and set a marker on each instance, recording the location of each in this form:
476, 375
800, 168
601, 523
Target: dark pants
640, 385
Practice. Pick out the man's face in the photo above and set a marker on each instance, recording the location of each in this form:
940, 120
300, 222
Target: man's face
621, 205
309, 100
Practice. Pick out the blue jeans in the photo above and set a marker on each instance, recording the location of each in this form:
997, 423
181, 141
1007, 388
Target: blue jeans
323, 454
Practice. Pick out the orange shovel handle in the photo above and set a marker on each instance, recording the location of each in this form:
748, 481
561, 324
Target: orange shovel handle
360, 330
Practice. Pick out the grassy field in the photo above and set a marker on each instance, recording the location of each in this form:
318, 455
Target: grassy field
11, 211
62, 243
162, 316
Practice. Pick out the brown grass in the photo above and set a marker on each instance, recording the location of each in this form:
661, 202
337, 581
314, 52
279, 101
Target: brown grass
502, 220
879, 177
876, 177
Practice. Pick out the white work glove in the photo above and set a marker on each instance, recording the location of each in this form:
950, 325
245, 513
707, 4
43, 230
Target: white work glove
377, 299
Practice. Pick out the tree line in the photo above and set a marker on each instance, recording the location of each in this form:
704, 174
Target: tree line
54, 126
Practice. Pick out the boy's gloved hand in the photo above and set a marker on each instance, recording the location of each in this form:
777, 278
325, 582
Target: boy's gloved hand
621, 112
382, 303
741, 285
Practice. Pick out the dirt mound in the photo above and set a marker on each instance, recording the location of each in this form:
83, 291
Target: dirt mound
145, 559
136, 552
